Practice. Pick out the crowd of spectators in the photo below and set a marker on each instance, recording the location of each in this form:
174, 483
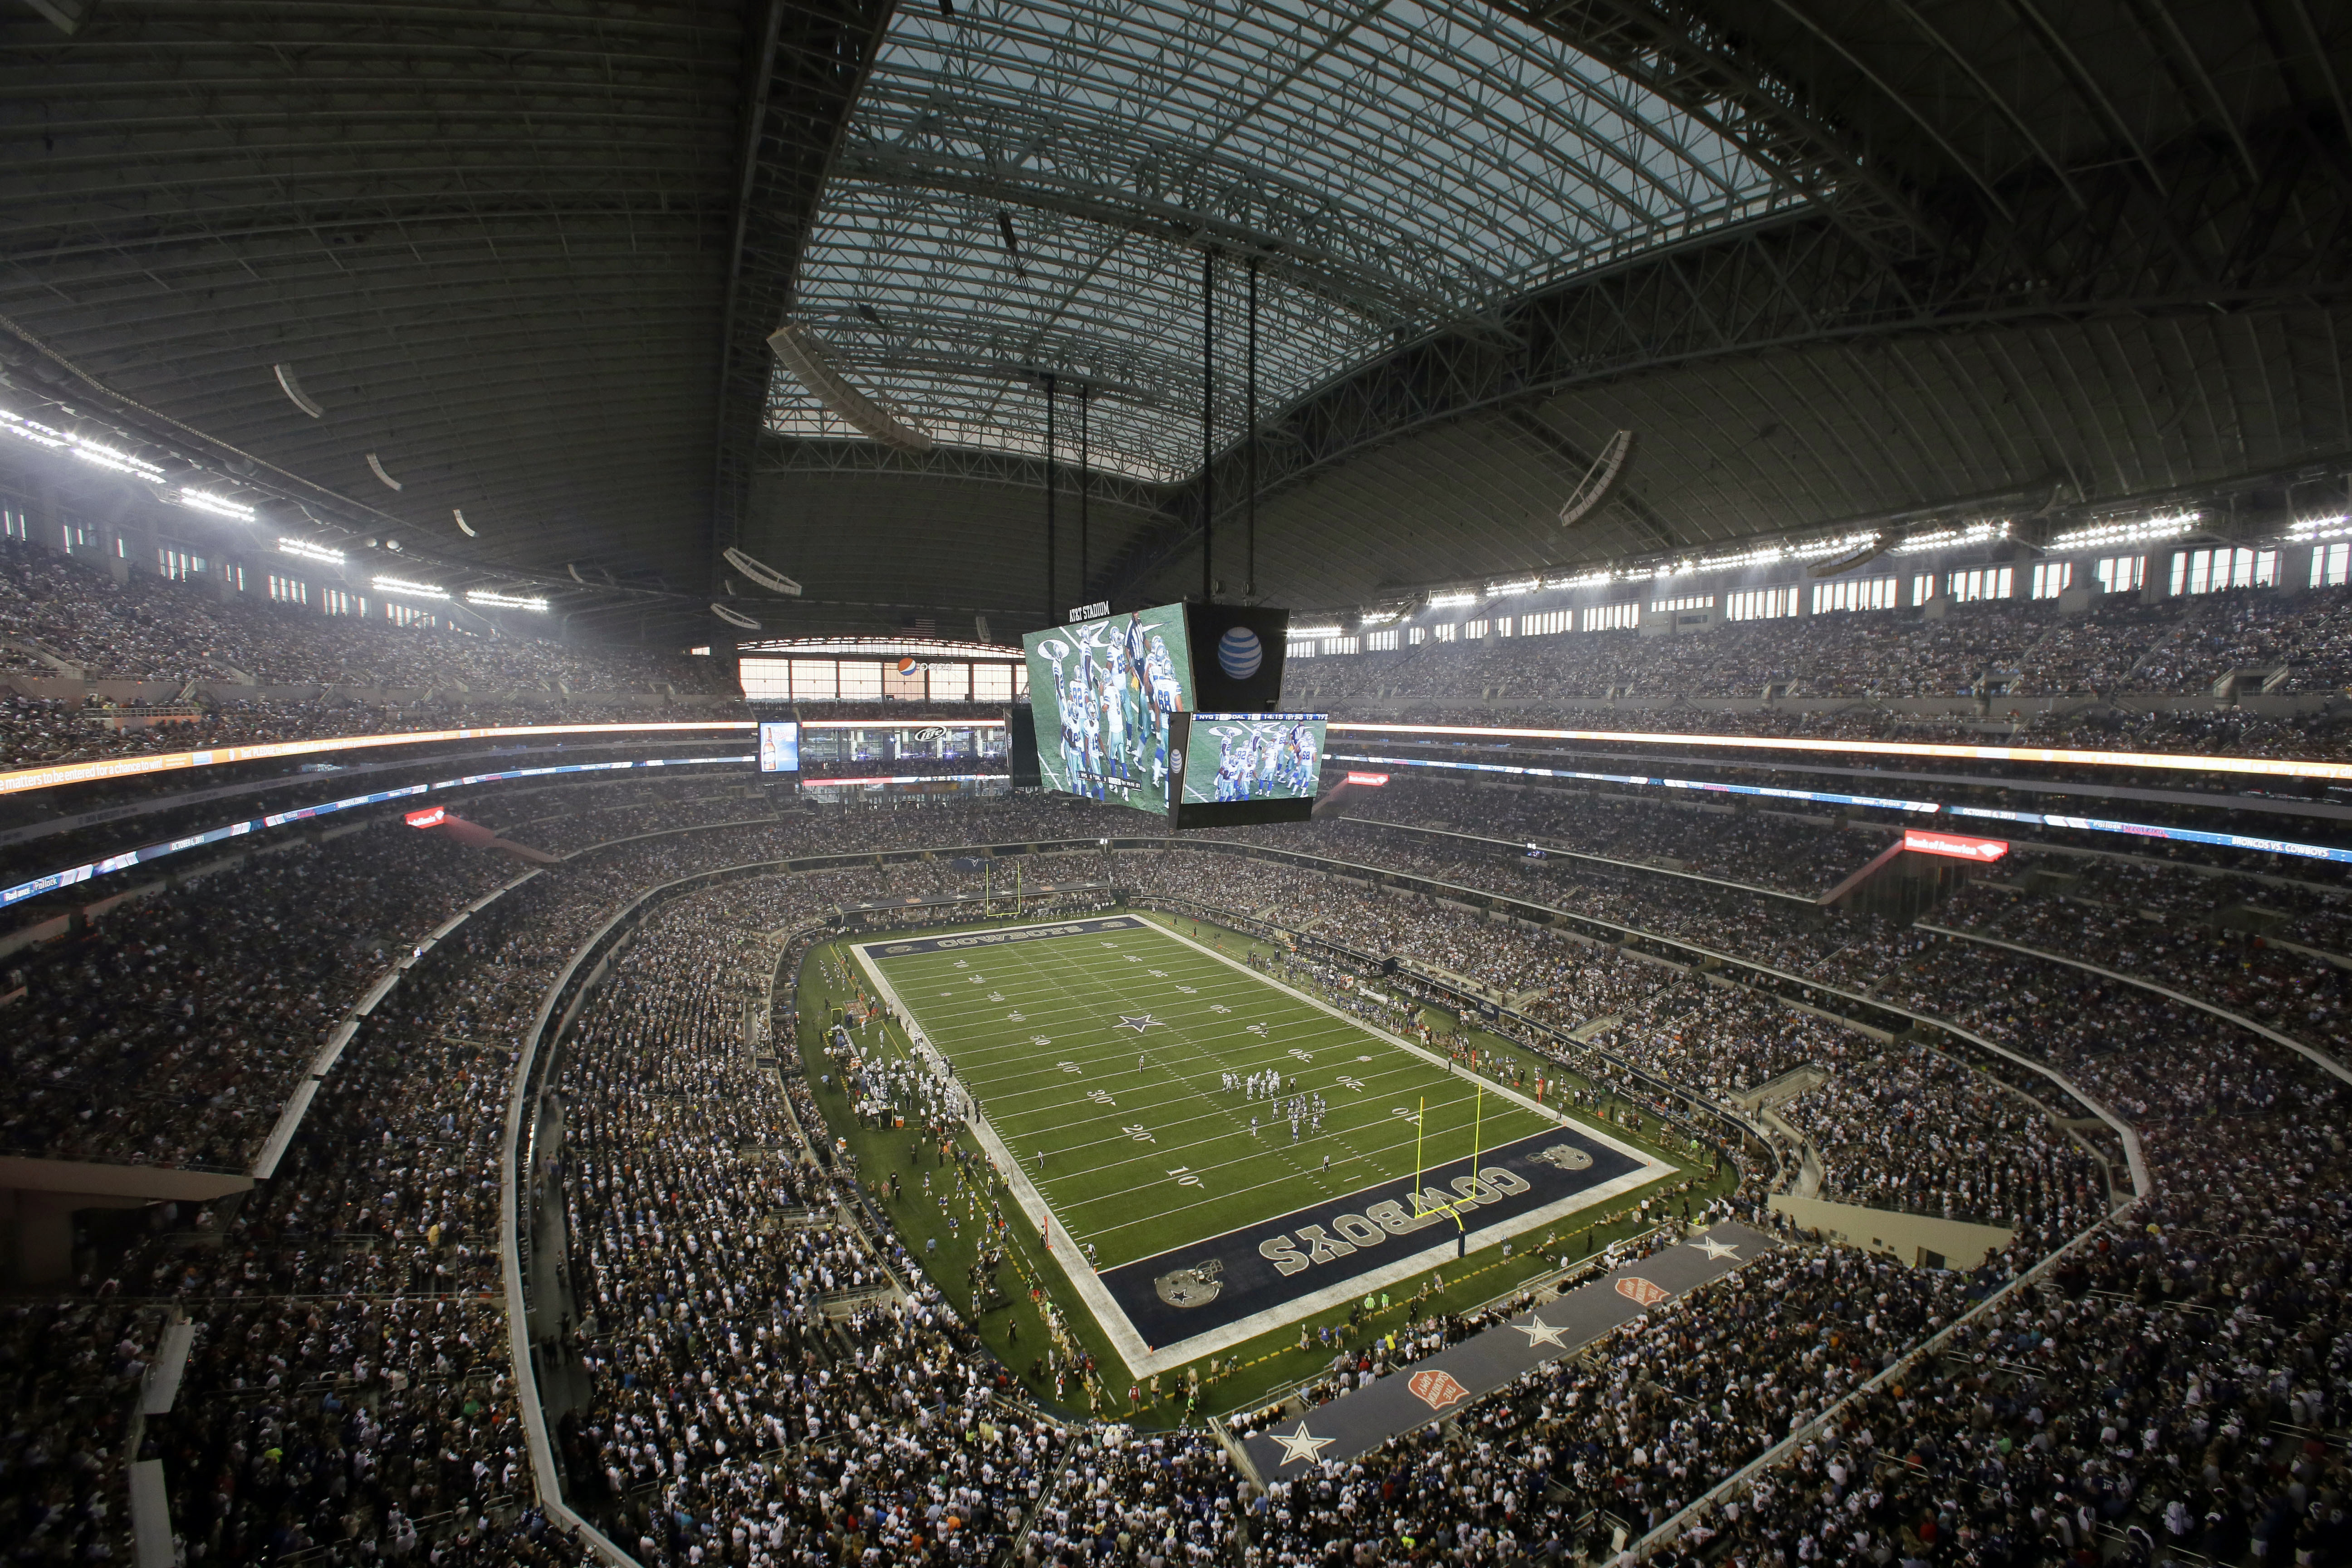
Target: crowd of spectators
850, 1404
1726, 1041
1792, 853
2006, 647
2174, 1392
349, 1389
1909, 1129
347, 1396
170, 1031
2292, 908
70, 1371
187, 634
2302, 994
149, 627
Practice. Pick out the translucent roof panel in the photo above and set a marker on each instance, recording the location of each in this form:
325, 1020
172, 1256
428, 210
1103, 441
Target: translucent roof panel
1390, 167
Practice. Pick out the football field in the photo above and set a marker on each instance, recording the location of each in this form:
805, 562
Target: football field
1230, 1154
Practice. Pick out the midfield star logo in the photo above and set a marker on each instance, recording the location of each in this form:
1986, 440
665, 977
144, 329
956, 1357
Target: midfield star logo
1436, 1389
1138, 1025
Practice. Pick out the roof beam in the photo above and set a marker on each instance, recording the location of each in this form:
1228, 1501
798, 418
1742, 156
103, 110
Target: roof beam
1806, 283
1380, 295
810, 62
965, 465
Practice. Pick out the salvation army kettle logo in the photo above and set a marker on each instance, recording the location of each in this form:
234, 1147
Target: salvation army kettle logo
1239, 653
1436, 1389
1641, 1292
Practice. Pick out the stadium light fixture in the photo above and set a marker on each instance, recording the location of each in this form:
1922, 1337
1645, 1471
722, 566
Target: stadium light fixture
102, 456
1774, 554
98, 454
803, 353
1378, 618
407, 589
1516, 585
2168, 526
2335, 526
1598, 480
302, 548
1451, 601
763, 573
495, 601
1956, 538
291, 386
1600, 579
198, 500
33, 430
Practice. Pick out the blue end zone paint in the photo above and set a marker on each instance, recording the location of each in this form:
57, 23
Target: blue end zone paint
1205, 1285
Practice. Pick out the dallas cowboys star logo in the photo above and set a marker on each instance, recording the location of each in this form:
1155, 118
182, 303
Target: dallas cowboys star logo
1714, 1250
1138, 1025
1301, 1446
1539, 1333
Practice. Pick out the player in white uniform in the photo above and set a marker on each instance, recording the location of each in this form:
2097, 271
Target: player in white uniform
1114, 729
1166, 696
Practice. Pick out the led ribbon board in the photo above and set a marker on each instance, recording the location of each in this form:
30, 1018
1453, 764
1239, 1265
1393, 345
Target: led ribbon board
2269, 767
73, 875
899, 779
2042, 819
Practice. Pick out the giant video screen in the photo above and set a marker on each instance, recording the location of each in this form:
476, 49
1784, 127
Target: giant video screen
1250, 767
1105, 693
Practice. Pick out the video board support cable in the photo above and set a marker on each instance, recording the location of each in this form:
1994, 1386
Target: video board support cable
1208, 416
1052, 575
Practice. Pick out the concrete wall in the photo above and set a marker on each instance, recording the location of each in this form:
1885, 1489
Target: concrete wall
1904, 1235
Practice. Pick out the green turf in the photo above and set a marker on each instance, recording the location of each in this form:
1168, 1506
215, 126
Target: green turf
1016, 1331
1129, 1137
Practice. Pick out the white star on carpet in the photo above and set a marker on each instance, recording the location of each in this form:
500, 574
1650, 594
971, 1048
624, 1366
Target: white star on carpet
1539, 1333
1715, 1249
1301, 1445
1138, 1025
